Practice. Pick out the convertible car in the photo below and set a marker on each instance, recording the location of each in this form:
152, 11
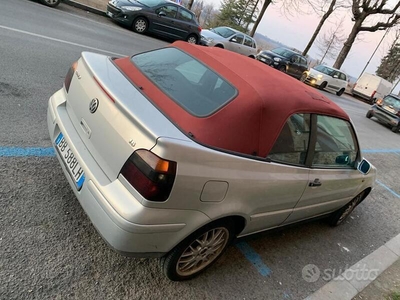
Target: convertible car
175, 152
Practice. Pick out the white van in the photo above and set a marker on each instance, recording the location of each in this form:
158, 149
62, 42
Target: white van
371, 87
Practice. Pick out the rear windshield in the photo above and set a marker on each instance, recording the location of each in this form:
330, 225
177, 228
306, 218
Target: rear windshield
392, 101
188, 82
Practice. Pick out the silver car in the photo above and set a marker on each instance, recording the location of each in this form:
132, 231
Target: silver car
175, 152
230, 39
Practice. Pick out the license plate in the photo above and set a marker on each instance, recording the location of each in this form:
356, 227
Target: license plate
109, 14
70, 161
389, 109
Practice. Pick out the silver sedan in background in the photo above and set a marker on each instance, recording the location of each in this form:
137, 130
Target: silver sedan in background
229, 39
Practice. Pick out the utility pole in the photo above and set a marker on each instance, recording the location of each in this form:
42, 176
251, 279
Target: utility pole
380, 42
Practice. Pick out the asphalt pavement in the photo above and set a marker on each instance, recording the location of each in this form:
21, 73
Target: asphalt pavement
50, 250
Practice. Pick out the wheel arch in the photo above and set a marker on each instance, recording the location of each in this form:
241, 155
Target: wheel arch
219, 45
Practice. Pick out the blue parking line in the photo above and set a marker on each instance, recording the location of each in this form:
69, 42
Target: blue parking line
381, 151
254, 258
25, 152
388, 188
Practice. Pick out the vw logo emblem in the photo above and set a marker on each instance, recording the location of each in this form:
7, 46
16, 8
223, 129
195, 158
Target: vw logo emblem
93, 105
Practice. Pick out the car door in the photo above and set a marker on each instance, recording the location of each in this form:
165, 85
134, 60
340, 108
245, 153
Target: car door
248, 49
334, 178
165, 21
334, 81
235, 43
184, 23
293, 65
281, 182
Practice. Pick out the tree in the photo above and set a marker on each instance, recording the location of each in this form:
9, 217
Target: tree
260, 16
361, 10
324, 17
236, 14
329, 44
389, 68
190, 4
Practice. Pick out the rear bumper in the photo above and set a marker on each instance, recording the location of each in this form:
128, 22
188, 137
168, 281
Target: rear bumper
119, 216
384, 117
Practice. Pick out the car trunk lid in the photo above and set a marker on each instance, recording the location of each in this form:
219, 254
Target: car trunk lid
111, 116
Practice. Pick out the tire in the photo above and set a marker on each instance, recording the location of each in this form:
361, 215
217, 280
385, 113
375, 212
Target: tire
51, 3
192, 39
303, 77
323, 85
219, 46
282, 69
340, 93
369, 114
140, 25
252, 57
341, 214
395, 129
202, 256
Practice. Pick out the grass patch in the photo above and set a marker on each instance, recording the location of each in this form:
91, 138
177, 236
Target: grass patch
394, 296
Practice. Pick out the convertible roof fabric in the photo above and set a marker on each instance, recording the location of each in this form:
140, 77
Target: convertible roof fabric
252, 121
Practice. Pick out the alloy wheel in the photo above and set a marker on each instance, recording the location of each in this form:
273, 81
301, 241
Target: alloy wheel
202, 251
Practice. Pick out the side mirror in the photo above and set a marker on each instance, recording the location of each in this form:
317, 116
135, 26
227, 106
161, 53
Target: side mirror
342, 159
162, 14
364, 167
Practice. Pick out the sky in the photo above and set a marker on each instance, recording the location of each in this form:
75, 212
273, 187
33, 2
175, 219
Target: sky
296, 30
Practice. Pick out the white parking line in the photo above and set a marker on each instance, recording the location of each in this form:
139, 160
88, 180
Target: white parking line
59, 40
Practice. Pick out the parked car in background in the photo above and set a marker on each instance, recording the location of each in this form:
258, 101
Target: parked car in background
161, 17
324, 77
371, 87
148, 145
387, 111
51, 3
284, 60
229, 39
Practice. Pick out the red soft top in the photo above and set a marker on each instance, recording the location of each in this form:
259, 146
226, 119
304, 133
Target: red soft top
252, 121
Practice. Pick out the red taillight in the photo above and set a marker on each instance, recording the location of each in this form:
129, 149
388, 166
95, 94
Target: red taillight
70, 74
373, 94
199, 28
152, 176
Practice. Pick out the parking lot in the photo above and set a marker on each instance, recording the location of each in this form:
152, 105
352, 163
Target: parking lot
50, 250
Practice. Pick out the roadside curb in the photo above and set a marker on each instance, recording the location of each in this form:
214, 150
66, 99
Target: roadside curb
341, 288
85, 7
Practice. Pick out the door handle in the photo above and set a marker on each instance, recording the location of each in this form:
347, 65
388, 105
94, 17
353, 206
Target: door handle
316, 182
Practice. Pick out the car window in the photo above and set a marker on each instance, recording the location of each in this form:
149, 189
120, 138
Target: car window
185, 15
291, 145
188, 82
295, 59
223, 31
336, 146
248, 41
324, 69
238, 38
342, 76
170, 10
254, 44
283, 52
303, 61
